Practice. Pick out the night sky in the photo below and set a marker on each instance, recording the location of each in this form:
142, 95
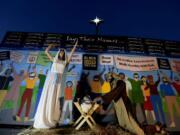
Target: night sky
158, 19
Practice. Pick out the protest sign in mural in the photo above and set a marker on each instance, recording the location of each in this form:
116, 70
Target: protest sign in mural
175, 65
106, 60
43, 59
76, 59
136, 63
4, 55
32, 57
90, 62
163, 64
17, 57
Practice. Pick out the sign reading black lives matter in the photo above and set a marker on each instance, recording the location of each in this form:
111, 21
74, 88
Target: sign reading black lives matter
5, 55
90, 62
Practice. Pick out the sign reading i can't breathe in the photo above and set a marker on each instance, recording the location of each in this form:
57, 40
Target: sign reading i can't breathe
90, 62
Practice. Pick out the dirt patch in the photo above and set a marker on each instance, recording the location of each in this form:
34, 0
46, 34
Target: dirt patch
109, 130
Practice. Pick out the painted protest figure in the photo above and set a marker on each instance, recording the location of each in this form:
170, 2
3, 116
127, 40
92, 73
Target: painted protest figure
30, 80
96, 85
128, 84
156, 99
175, 83
170, 97
5, 80
106, 82
83, 87
68, 101
48, 111
147, 102
137, 96
42, 78
1, 67
13, 93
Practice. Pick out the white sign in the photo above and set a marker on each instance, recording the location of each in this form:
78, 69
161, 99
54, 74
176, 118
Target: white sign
32, 58
106, 60
136, 63
16, 56
76, 59
175, 65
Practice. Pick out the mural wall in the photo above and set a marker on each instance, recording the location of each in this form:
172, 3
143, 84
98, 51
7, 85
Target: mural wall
152, 84
150, 69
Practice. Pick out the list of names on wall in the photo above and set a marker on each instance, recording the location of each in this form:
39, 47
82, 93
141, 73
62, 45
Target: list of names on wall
92, 43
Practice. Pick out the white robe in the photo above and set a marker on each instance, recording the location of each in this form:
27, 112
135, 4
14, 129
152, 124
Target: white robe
48, 111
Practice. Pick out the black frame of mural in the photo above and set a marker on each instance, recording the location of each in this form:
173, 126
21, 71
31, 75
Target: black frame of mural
92, 43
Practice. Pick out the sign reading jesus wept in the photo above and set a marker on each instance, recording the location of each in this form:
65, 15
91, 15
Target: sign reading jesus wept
136, 63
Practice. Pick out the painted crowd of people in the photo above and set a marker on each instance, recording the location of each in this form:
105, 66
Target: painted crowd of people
103, 87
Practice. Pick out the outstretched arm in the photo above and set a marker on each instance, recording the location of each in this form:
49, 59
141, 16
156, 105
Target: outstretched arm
13, 69
47, 52
72, 51
159, 79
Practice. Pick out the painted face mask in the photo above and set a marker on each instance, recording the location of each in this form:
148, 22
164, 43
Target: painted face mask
32, 75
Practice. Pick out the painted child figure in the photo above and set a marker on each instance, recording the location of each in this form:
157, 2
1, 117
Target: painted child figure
68, 101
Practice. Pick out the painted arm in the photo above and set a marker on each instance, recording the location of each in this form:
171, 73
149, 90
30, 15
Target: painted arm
171, 76
1, 67
13, 69
34, 69
159, 79
142, 89
25, 75
47, 52
162, 91
100, 75
102, 72
71, 68
72, 51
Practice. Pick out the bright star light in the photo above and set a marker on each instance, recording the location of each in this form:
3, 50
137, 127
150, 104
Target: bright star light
97, 20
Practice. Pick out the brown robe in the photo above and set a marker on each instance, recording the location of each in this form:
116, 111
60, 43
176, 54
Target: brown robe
118, 92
